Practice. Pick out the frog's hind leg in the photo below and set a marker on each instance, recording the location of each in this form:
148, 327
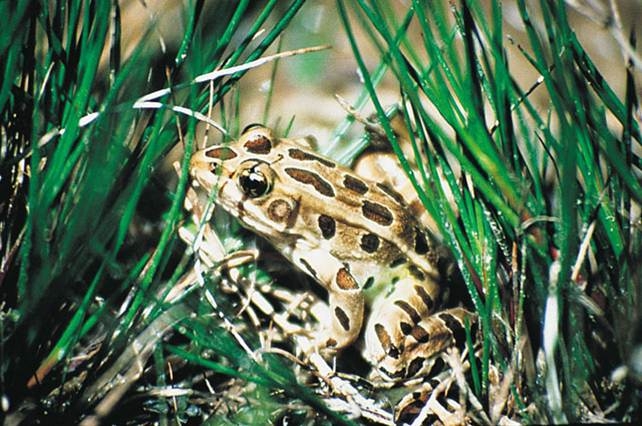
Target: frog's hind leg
403, 338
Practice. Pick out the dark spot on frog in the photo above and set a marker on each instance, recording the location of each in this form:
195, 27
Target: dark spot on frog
383, 336
399, 374
416, 273
345, 281
342, 317
259, 145
425, 297
397, 262
299, 154
438, 364
415, 366
394, 352
420, 334
405, 327
377, 213
308, 267
222, 153
455, 327
331, 342
369, 243
354, 184
309, 178
327, 225
369, 282
409, 310
421, 243
392, 193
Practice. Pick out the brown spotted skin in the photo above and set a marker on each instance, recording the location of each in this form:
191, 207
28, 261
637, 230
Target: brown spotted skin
356, 237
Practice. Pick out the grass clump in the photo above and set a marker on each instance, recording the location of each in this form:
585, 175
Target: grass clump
106, 317
87, 264
544, 213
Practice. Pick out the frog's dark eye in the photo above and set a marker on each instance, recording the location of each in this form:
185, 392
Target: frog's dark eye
251, 127
254, 181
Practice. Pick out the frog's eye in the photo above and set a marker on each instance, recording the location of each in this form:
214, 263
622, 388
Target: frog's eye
255, 181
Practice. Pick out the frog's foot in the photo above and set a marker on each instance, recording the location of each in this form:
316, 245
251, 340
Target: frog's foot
427, 405
443, 398
343, 396
406, 347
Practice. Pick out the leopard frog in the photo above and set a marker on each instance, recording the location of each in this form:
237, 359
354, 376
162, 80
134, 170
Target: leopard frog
357, 238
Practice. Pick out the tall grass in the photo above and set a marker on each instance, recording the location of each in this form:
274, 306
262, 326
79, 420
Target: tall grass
537, 203
543, 199
88, 236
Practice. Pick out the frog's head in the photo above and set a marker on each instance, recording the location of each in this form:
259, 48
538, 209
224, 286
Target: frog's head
244, 175
212, 165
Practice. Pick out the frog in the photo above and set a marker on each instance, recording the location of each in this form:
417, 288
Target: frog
383, 270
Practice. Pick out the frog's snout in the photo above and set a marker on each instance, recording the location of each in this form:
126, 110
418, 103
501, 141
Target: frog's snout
203, 169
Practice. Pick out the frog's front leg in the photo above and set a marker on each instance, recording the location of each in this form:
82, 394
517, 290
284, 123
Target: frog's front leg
346, 299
